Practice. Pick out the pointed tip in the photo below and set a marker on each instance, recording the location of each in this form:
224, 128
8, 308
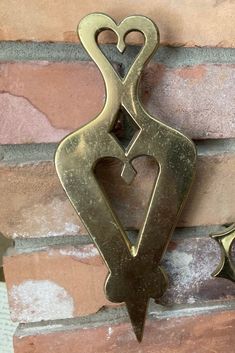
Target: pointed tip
137, 313
138, 330
139, 335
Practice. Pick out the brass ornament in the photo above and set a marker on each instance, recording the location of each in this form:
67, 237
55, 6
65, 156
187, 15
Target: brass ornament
226, 267
134, 272
5, 243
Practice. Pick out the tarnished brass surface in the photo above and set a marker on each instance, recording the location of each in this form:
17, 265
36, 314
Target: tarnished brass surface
226, 268
134, 271
5, 243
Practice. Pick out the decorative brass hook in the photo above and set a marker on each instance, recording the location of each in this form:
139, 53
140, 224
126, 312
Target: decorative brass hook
134, 271
225, 239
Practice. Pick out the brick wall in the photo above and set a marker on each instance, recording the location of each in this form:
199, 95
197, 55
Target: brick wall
49, 87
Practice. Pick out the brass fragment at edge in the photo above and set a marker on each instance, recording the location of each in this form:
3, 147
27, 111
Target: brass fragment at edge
226, 267
5, 243
134, 271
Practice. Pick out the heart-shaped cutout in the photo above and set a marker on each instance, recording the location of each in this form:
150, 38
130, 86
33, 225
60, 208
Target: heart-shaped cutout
94, 24
121, 58
129, 202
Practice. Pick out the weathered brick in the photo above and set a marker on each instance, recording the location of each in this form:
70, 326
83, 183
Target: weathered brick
45, 101
212, 332
55, 284
35, 204
66, 282
181, 22
195, 100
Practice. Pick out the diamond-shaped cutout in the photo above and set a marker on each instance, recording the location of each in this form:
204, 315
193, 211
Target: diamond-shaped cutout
125, 128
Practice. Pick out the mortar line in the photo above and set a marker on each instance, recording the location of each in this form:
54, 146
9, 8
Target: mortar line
29, 245
112, 316
40, 152
72, 52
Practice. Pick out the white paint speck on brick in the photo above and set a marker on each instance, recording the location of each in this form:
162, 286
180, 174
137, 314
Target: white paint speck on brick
40, 300
189, 267
85, 252
36, 222
109, 333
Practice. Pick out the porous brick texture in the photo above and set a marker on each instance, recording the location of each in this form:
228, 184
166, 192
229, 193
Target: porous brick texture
47, 100
44, 293
205, 22
35, 204
49, 87
198, 333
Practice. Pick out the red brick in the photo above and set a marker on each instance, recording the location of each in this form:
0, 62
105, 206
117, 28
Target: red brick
57, 283
35, 204
196, 100
197, 334
210, 200
181, 22
45, 101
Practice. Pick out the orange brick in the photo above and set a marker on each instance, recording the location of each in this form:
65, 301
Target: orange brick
65, 282
35, 202
45, 101
201, 23
55, 284
212, 332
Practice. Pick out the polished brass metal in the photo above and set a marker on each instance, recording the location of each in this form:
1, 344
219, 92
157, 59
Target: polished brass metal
225, 239
5, 243
134, 271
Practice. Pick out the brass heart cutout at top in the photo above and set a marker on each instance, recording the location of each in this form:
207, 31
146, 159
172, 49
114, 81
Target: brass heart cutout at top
88, 33
134, 271
123, 60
